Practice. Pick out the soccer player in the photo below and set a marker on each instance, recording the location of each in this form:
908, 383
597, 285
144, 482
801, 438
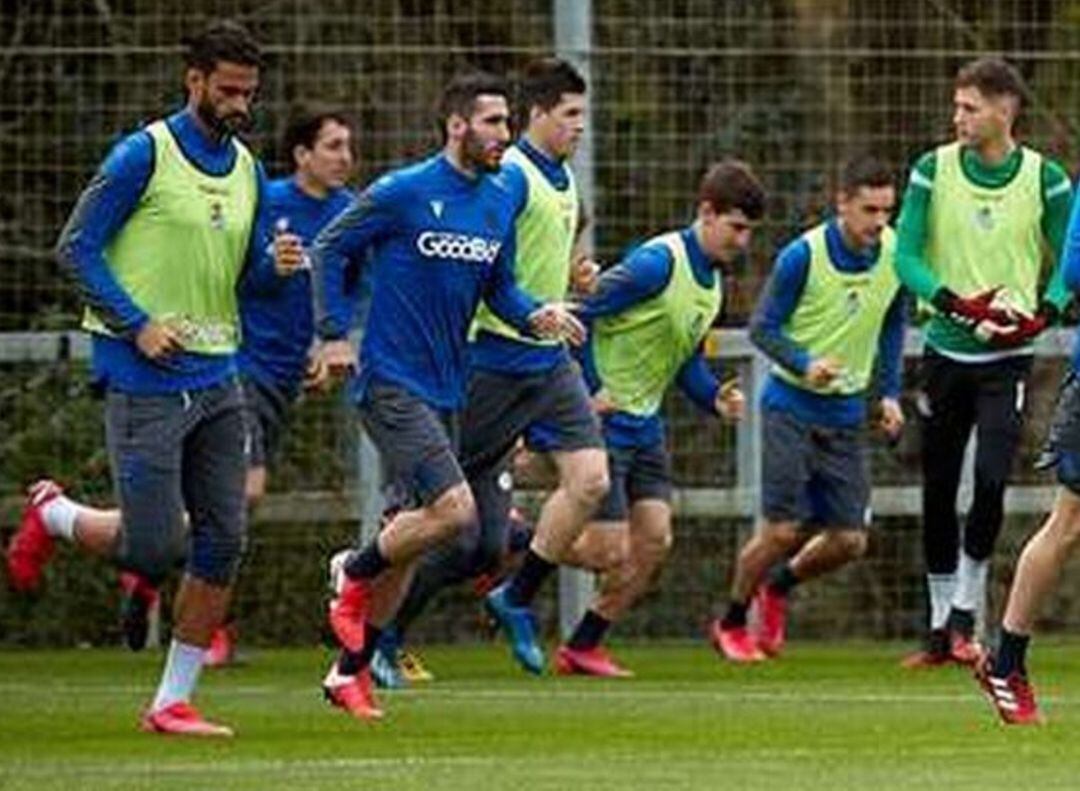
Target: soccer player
649, 315
831, 310
274, 362
158, 243
439, 235
1004, 676
518, 382
976, 217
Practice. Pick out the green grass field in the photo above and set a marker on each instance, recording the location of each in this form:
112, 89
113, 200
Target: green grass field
824, 717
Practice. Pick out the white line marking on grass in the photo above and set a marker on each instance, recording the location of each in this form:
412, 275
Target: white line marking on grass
529, 691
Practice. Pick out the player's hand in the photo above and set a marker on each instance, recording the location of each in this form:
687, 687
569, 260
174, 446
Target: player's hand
822, 371
317, 373
289, 255
584, 276
975, 309
891, 420
338, 357
601, 403
1025, 330
730, 403
157, 340
555, 321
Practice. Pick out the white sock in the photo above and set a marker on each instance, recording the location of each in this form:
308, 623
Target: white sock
59, 515
970, 592
181, 673
942, 587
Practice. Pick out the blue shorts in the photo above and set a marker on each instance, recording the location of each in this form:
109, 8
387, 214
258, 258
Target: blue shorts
551, 410
1062, 450
417, 444
636, 473
814, 475
266, 409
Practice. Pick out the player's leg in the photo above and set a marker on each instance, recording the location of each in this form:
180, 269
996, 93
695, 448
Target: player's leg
581, 461
999, 422
786, 453
839, 494
417, 449
50, 515
947, 408
1004, 676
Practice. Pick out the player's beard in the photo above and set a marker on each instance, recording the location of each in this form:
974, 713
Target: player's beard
222, 126
480, 155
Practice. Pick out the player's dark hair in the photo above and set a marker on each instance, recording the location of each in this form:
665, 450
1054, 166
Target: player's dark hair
864, 170
993, 77
222, 41
459, 95
543, 83
731, 184
305, 123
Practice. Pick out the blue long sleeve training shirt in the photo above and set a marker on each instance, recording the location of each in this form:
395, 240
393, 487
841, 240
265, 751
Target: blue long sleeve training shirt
102, 209
438, 241
1070, 267
278, 322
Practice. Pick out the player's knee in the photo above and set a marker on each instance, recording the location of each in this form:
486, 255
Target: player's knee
780, 536
255, 487
656, 542
614, 550
853, 543
590, 487
454, 511
216, 555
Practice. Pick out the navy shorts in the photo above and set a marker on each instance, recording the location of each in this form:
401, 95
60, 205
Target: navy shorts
175, 454
637, 473
1062, 449
812, 474
417, 444
267, 411
552, 409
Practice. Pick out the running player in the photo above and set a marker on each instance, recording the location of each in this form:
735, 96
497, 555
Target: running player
649, 317
439, 233
832, 309
158, 243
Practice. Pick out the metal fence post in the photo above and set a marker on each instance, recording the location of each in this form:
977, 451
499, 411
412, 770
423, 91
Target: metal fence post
573, 42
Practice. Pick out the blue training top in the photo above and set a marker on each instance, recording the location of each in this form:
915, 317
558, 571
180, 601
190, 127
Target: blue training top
780, 297
438, 240
100, 213
278, 322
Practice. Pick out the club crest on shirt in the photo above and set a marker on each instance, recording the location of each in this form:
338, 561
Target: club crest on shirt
853, 301
983, 218
217, 216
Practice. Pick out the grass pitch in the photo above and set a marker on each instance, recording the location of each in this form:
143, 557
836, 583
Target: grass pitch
823, 717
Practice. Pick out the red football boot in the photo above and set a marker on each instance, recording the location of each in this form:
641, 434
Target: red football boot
772, 620
735, 643
182, 719
31, 548
595, 661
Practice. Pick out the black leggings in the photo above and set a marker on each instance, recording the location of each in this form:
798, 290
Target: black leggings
990, 397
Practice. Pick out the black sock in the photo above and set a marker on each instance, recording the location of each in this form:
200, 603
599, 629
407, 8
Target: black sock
366, 563
1011, 653
962, 622
524, 585
735, 617
589, 632
352, 662
782, 579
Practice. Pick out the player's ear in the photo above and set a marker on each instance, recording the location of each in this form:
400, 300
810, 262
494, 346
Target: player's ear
456, 126
194, 81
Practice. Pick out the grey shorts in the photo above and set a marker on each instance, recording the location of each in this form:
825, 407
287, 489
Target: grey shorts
811, 474
552, 408
417, 444
640, 473
176, 454
267, 412
1062, 450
